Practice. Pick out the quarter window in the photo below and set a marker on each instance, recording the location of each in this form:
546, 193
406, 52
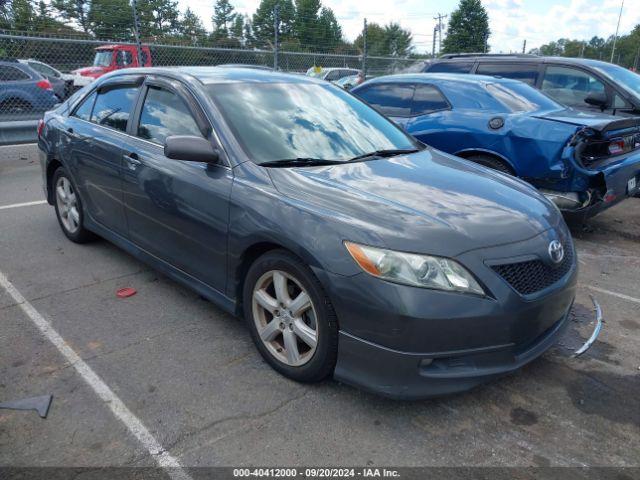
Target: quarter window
523, 72
113, 107
164, 114
12, 74
427, 99
570, 86
392, 99
84, 110
450, 67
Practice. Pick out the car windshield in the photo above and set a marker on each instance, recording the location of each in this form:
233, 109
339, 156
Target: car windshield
626, 78
519, 97
103, 58
284, 121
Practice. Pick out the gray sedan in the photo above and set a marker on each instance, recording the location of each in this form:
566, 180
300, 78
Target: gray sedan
350, 249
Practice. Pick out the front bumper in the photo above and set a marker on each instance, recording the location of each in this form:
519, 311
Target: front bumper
407, 342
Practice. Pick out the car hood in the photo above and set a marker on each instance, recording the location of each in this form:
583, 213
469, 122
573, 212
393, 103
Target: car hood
88, 71
428, 202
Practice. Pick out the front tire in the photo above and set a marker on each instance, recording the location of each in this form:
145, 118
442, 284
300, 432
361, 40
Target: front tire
291, 319
68, 207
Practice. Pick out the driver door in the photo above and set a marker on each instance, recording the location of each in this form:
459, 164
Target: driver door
176, 210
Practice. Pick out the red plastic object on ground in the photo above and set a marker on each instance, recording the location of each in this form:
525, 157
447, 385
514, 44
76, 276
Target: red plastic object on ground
126, 292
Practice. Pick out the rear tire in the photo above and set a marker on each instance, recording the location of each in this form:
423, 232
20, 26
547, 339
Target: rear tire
291, 319
492, 162
68, 205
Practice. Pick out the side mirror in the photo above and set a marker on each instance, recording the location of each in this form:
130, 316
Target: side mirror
190, 148
597, 99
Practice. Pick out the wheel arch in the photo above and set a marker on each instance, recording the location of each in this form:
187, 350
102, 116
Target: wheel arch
251, 253
52, 165
470, 152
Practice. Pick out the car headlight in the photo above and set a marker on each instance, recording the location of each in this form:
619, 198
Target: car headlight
412, 269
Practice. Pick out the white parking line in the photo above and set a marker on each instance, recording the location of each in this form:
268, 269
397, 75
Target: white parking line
25, 204
615, 294
163, 458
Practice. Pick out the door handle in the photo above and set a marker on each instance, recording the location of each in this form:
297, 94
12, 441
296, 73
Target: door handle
132, 160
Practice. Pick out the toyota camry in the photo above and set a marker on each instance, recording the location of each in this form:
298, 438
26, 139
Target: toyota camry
351, 249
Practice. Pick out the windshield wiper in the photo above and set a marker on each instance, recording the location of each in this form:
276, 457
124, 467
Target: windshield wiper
386, 153
300, 162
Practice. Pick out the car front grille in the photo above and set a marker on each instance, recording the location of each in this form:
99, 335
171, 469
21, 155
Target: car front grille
534, 275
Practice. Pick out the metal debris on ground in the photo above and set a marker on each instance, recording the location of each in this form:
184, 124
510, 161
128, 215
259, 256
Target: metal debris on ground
39, 404
596, 330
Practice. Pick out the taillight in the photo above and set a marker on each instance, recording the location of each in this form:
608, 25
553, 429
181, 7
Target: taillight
40, 127
44, 84
616, 147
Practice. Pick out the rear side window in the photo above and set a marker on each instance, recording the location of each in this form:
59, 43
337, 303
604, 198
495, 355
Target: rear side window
450, 67
392, 99
428, 98
84, 110
113, 107
12, 74
523, 72
163, 114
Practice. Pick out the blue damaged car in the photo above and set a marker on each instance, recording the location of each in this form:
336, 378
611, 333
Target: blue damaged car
583, 162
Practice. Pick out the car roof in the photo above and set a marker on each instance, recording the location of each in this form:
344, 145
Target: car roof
461, 78
212, 75
520, 59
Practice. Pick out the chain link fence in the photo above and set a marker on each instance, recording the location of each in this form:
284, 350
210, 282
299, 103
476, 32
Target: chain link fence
36, 73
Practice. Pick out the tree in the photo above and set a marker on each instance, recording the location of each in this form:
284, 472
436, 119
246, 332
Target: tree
237, 28
190, 25
110, 19
158, 17
22, 15
264, 17
468, 28
223, 17
305, 23
391, 39
75, 11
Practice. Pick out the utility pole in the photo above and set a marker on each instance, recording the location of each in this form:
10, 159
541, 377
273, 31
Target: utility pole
433, 48
486, 45
136, 31
439, 18
582, 49
276, 28
364, 49
524, 46
615, 38
635, 61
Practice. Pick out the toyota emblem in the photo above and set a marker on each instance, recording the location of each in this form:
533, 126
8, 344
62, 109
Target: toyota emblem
556, 251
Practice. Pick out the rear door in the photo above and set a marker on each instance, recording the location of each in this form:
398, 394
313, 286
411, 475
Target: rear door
177, 210
94, 141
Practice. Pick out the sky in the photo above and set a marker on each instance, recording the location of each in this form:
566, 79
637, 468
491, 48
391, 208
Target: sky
511, 21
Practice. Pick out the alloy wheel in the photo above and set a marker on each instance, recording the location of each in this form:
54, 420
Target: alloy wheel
285, 318
67, 204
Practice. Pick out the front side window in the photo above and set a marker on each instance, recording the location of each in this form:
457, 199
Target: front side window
113, 107
570, 86
280, 121
103, 58
525, 73
164, 114
12, 74
392, 99
124, 58
426, 99
84, 109
450, 67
